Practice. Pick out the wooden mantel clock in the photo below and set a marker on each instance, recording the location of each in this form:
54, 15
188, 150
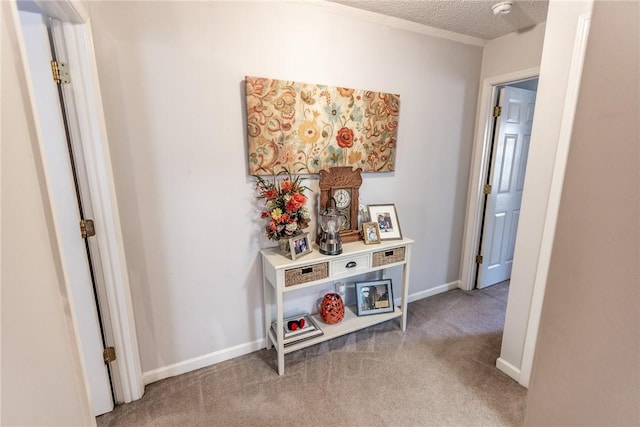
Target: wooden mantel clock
343, 184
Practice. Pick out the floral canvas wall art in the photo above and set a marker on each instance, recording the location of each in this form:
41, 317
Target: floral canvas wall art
305, 128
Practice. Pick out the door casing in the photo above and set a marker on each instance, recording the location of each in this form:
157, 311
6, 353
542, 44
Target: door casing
75, 30
62, 182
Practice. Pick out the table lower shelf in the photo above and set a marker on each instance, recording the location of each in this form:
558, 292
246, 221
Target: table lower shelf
351, 323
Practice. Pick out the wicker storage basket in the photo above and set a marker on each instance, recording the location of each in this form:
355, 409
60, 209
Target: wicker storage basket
307, 273
388, 256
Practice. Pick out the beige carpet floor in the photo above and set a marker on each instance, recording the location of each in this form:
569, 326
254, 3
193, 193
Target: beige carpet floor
440, 372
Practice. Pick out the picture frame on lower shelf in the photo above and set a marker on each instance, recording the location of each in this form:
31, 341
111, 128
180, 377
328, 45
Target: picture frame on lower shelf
374, 297
299, 245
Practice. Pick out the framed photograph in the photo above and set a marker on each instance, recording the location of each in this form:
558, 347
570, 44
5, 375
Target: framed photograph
387, 219
299, 245
370, 233
374, 297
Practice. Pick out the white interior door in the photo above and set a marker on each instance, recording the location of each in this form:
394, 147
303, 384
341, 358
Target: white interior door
508, 167
66, 214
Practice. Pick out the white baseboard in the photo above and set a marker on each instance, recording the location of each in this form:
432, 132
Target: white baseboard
434, 291
202, 361
242, 349
508, 369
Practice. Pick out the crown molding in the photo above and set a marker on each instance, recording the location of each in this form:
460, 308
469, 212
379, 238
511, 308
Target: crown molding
390, 21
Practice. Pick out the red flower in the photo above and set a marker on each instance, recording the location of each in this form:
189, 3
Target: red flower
296, 202
265, 214
271, 194
345, 137
272, 225
284, 219
286, 185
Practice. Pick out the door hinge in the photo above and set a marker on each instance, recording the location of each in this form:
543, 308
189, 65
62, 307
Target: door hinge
479, 259
60, 72
497, 111
87, 228
109, 354
487, 189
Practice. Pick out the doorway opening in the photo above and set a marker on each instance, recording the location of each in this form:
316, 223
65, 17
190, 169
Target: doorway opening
479, 171
513, 107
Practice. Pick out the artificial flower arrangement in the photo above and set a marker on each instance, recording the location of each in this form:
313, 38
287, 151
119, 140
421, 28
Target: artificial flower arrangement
285, 208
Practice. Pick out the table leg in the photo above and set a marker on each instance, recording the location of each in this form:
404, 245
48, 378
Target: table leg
280, 331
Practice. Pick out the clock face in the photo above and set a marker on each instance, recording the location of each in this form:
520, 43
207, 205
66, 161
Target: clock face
343, 198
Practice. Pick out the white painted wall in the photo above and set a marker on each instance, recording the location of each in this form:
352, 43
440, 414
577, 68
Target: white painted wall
587, 369
42, 381
172, 77
513, 52
531, 256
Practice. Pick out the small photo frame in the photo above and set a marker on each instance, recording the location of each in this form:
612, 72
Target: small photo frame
374, 297
387, 219
370, 233
299, 245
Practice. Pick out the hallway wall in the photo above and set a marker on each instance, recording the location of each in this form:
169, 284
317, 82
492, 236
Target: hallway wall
172, 78
586, 368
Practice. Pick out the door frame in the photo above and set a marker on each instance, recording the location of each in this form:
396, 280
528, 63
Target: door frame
78, 40
480, 164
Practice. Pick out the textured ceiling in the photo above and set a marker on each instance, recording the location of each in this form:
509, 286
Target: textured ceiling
471, 17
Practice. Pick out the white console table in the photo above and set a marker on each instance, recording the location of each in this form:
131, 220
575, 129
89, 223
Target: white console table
282, 275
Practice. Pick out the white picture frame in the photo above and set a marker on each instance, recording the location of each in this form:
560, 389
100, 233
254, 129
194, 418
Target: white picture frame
387, 219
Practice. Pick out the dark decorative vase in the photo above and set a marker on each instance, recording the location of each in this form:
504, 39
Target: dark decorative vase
332, 308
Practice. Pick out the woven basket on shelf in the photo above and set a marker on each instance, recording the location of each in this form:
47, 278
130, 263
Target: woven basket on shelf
307, 273
388, 256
